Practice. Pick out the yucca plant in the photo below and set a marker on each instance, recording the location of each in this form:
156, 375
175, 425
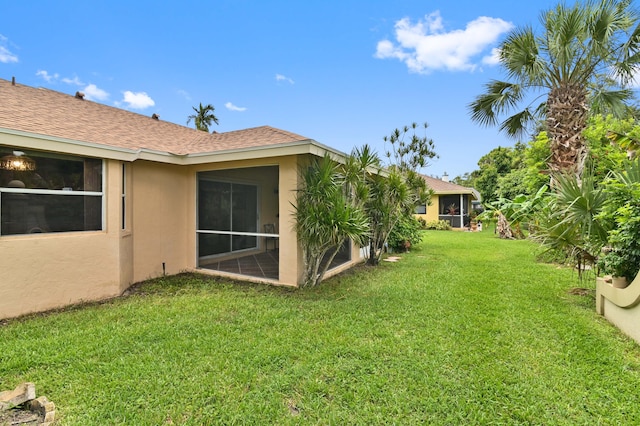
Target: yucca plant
326, 216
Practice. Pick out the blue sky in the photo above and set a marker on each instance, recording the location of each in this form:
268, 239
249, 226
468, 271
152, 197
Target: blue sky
343, 73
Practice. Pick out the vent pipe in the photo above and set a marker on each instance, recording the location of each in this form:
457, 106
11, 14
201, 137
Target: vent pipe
13, 81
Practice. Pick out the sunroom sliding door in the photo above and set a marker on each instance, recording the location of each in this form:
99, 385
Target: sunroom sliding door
227, 216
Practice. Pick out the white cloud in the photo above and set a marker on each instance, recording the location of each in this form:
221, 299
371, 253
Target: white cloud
232, 107
425, 46
280, 77
6, 56
46, 76
139, 100
75, 81
93, 92
635, 81
493, 58
184, 94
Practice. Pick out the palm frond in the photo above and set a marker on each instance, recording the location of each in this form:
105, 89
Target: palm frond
610, 102
516, 125
499, 98
520, 56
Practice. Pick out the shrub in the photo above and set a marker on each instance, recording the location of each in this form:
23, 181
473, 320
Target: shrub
405, 233
623, 257
438, 225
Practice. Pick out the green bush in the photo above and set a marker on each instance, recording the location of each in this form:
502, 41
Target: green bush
623, 258
405, 233
438, 225
621, 216
422, 222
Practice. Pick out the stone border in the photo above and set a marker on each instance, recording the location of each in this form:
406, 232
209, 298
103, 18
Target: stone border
25, 395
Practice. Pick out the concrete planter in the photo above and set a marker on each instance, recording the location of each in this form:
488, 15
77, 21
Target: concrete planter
619, 282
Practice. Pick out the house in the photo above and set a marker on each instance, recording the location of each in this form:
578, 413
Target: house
450, 202
94, 198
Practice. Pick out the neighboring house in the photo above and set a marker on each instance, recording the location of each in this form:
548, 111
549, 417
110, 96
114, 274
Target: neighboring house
451, 202
95, 198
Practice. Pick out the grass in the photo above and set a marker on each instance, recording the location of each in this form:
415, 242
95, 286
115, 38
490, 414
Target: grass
465, 329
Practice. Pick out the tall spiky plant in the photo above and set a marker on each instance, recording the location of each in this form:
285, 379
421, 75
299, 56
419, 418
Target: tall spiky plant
326, 216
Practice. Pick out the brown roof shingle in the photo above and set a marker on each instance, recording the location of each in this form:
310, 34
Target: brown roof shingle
442, 187
50, 113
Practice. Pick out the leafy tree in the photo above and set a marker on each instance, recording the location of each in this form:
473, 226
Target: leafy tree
498, 162
408, 150
536, 156
604, 153
564, 63
393, 193
203, 117
512, 184
468, 179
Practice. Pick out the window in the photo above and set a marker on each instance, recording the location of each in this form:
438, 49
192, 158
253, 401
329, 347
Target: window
46, 192
421, 209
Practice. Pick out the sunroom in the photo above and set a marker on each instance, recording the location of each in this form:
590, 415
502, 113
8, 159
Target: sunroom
238, 223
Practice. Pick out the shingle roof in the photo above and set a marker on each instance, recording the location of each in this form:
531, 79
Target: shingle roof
442, 187
50, 113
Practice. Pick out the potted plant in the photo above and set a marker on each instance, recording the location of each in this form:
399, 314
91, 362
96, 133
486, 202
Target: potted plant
451, 209
615, 262
473, 216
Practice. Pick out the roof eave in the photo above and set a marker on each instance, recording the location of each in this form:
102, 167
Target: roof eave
69, 146
469, 191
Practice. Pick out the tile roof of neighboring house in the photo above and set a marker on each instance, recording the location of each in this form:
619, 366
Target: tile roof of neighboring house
442, 187
50, 113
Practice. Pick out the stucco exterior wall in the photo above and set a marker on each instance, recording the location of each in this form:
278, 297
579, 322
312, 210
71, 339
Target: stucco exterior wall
46, 271
620, 306
162, 205
291, 261
432, 210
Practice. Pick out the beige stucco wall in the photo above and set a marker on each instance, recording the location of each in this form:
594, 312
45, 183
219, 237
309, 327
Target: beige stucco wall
162, 206
46, 271
432, 210
291, 261
621, 306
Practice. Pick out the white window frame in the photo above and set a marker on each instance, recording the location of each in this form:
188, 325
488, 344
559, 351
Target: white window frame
64, 192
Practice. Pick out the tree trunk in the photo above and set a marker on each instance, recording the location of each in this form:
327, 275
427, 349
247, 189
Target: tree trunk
503, 228
566, 120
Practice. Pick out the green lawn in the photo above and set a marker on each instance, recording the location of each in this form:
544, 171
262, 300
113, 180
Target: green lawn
465, 329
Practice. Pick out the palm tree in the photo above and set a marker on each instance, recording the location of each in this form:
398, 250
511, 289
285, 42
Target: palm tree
203, 117
579, 63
